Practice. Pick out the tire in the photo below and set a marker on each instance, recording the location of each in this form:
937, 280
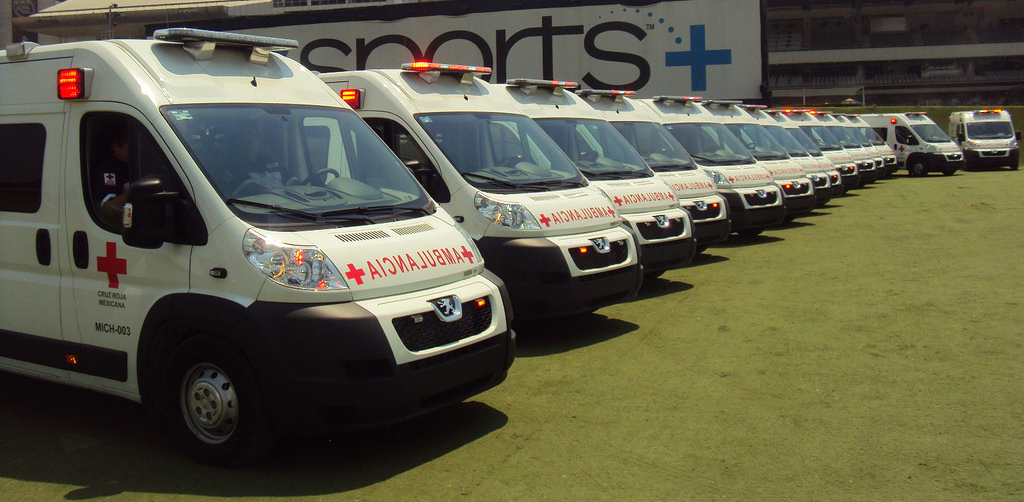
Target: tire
213, 405
947, 173
918, 168
1014, 167
701, 249
747, 234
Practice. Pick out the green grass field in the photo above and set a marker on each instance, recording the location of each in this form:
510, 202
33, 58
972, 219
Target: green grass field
873, 350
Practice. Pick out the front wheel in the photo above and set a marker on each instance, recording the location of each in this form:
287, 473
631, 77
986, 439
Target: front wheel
947, 173
917, 168
214, 407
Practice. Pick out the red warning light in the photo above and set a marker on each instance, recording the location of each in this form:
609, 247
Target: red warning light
481, 302
71, 83
352, 97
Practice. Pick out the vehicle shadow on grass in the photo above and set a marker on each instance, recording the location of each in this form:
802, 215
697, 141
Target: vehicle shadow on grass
556, 336
104, 446
736, 241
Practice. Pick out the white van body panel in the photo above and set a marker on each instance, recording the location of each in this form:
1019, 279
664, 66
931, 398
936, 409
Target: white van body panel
987, 137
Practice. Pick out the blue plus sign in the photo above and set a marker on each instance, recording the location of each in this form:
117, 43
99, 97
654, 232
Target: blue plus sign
698, 58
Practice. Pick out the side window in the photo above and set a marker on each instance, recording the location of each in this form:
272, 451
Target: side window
117, 150
883, 132
904, 136
408, 150
21, 170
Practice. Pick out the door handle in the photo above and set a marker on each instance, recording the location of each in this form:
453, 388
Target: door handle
80, 249
43, 247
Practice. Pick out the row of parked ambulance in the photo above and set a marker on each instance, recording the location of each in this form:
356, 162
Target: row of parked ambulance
200, 224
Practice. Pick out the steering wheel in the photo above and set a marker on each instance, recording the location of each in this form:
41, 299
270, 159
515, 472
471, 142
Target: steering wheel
322, 172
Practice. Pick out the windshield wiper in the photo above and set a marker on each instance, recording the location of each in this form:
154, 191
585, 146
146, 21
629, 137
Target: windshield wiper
497, 181
275, 207
552, 184
358, 212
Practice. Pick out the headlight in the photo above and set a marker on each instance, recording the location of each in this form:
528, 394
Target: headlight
1013, 143
972, 143
930, 147
300, 267
720, 180
507, 214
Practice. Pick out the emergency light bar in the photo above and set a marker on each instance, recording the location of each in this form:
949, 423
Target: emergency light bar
430, 72
201, 43
996, 110
917, 113
74, 83
529, 85
723, 102
754, 107
596, 94
668, 100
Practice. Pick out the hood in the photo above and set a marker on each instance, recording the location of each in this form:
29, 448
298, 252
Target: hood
783, 169
638, 195
404, 256
810, 164
744, 175
563, 212
689, 184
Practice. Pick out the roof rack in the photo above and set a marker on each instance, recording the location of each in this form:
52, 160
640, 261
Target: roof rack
201, 43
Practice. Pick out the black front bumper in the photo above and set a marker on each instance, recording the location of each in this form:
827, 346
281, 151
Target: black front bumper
540, 285
974, 158
751, 219
711, 232
330, 367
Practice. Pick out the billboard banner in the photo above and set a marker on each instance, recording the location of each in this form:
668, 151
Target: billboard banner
710, 48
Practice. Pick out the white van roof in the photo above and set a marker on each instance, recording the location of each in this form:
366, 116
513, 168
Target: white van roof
189, 66
432, 89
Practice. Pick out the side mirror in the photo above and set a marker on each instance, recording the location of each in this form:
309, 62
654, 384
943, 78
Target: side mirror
154, 215
429, 178
960, 138
1017, 134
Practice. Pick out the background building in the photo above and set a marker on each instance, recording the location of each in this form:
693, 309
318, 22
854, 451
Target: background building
889, 52
884, 52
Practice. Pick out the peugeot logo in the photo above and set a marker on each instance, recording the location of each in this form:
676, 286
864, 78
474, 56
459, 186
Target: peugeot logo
701, 205
661, 220
762, 194
449, 308
602, 245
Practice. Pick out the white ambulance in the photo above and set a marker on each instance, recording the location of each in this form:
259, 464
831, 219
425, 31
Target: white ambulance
755, 202
921, 146
856, 134
558, 243
835, 178
646, 202
829, 145
692, 185
986, 137
881, 149
195, 223
867, 162
817, 172
797, 188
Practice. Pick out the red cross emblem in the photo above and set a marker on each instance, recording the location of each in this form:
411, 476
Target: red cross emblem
545, 220
617, 200
112, 265
731, 179
467, 254
901, 148
356, 274
109, 179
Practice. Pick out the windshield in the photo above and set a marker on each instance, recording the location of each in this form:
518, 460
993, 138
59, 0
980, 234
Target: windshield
931, 133
281, 165
844, 136
761, 144
711, 144
805, 142
599, 151
823, 139
657, 147
501, 152
990, 130
870, 135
